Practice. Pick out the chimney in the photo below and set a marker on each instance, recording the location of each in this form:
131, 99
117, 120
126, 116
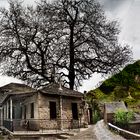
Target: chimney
60, 85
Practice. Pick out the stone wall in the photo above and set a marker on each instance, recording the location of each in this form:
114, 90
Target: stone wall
67, 109
43, 108
134, 127
44, 112
68, 121
108, 117
64, 113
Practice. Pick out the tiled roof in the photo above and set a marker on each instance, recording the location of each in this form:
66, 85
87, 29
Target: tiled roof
113, 106
16, 88
55, 89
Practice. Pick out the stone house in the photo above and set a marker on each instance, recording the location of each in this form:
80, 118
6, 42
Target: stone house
53, 107
110, 109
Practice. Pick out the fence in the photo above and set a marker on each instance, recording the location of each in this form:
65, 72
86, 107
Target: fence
124, 133
8, 124
40, 124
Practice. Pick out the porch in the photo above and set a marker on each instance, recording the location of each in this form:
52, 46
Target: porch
40, 124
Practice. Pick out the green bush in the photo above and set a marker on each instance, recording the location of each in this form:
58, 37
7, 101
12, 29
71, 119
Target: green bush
96, 116
130, 101
122, 118
136, 94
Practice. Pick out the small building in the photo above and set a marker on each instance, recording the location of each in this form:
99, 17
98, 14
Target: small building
51, 108
110, 109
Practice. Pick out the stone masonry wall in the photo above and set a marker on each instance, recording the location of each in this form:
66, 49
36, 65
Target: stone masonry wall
68, 122
64, 118
44, 112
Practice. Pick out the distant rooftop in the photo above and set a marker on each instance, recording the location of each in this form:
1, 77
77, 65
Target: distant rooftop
113, 106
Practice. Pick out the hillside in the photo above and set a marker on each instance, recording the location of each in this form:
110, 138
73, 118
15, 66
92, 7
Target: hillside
124, 85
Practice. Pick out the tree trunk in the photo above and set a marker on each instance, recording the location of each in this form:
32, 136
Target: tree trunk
71, 66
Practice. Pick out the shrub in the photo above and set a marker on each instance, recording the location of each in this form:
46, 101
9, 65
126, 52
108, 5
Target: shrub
96, 116
130, 101
122, 118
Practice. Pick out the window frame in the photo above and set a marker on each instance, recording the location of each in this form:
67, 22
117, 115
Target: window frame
74, 109
53, 110
32, 109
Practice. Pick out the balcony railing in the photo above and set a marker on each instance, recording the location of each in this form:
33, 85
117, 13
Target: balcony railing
40, 124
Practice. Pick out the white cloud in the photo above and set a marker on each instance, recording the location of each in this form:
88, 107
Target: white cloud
130, 27
92, 83
127, 14
6, 80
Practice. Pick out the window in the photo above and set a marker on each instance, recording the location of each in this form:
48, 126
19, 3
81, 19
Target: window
52, 110
74, 111
32, 110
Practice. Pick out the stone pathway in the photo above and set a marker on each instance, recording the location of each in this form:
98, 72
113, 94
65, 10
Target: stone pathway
87, 134
103, 133
97, 132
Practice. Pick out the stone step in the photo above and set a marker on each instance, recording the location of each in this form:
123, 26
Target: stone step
63, 136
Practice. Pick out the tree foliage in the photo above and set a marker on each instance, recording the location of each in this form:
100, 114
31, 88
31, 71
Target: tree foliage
67, 38
122, 118
127, 80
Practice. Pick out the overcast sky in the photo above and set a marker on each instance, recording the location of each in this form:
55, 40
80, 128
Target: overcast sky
127, 13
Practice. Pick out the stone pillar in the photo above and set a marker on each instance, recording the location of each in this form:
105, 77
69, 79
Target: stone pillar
11, 109
7, 110
4, 112
61, 113
1, 116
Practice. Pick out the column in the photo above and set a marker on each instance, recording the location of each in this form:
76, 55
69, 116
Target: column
7, 110
4, 112
0, 116
61, 113
11, 109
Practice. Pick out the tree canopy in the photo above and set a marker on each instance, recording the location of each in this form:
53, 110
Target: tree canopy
70, 39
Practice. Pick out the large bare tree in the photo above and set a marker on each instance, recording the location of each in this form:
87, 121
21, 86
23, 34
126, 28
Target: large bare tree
89, 41
71, 36
27, 44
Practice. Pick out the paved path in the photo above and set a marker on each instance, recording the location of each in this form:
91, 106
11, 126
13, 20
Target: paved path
96, 132
103, 133
87, 134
